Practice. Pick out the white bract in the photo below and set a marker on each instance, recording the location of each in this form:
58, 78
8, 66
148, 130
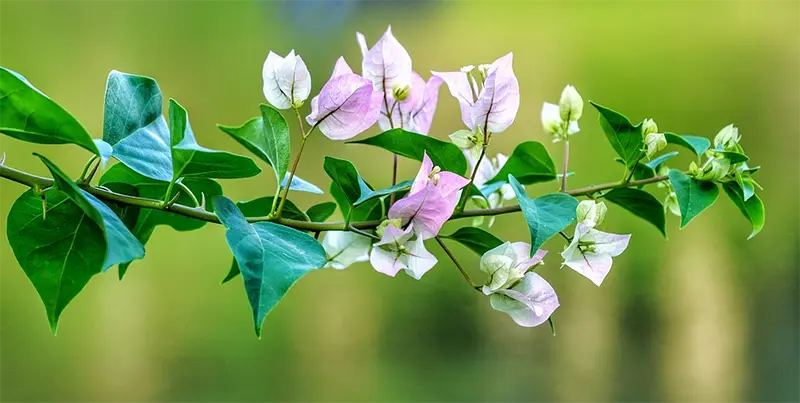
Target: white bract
590, 251
343, 248
287, 82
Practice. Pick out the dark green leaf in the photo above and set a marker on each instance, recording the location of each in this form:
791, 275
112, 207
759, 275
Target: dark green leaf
529, 163
79, 237
546, 215
734, 157
641, 204
301, 185
266, 136
345, 175
28, 114
271, 257
625, 138
752, 208
373, 209
693, 196
321, 212
413, 145
477, 240
367, 193
697, 145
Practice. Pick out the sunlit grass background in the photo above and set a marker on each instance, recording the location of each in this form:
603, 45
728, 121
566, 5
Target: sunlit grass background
703, 316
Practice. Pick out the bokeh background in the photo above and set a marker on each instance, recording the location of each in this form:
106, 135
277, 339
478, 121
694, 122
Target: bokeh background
703, 316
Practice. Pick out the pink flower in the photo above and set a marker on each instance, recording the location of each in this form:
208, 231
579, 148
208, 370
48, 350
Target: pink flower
431, 200
414, 113
346, 106
529, 303
387, 64
491, 105
397, 251
590, 251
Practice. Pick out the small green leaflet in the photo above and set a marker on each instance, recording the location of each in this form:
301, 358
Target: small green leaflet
752, 208
546, 215
733, 156
445, 155
272, 257
529, 163
693, 196
477, 240
655, 162
641, 204
189, 159
321, 212
368, 194
266, 136
625, 138
697, 145
134, 126
29, 115
79, 237
301, 185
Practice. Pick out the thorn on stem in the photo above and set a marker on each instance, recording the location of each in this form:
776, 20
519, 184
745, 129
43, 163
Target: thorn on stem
44, 206
202, 205
172, 201
3, 159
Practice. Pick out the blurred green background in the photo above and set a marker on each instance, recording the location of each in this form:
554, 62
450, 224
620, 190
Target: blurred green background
703, 316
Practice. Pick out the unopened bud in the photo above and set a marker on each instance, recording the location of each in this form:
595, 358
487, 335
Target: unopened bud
727, 138
649, 126
400, 93
591, 213
382, 226
655, 142
720, 167
671, 204
464, 139
571, 104
467, 69
694, 170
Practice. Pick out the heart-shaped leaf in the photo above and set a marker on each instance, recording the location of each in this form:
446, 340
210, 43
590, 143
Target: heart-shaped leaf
546, 215
78, 238
321, 212
134, 126
694, 196
529, 163
271, 257
29, 115
413, 145
641, 204
625, 138
697, 145
477, 240
345, 175
266, 136
752, 208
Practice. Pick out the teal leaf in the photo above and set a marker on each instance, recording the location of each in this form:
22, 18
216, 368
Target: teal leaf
344, 174
266, 136
134, 126
529, 163
300, 185
693, 196
733, 156
546, 215
368, 194
446, 155
752, 208
271, 257
321, 212
641, 204
477, 240
189, 159
655, 162
78, 238
29, 115
697, 145
625, 138
104, 151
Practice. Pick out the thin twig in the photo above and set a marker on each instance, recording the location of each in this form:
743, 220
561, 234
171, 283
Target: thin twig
566, 165
458, 265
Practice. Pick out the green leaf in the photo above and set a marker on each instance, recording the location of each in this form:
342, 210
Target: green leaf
733, 156
655, 162
697, 145
29, 115
625, 138
641, 204
693, 196
529, 163
368, 194
752, 208
266, 136
189, 159
446, 155
373, 209
344, 174
79, 237
546, 215
301, 185
120, 178
272, 257
477, 240
321, 212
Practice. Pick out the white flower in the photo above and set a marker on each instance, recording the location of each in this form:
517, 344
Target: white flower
343, 248
287, 82
591, 213
649, 126
655, 142
727, 138
554, 125
398, 251
507, 264
571, 104
529, 303
590, 252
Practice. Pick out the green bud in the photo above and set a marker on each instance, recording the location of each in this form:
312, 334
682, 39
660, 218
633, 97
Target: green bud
655, 142
720, 168
382, 226
297, 103
591, 211
400, 93
671, 204
464, 139
649, 126
694, 170
727, 138
570, 106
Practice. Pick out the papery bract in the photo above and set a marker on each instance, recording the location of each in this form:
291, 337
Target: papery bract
287, 82
553, 125
570, 105
529, 303
398, 251
590, 252
507, 264
488, 169
415, 113
496, 105
387, 64
591, 213
343, 248
346, 106
431, 200
727, 138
